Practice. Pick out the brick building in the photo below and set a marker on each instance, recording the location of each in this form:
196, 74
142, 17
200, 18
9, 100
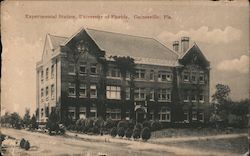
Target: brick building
96, 73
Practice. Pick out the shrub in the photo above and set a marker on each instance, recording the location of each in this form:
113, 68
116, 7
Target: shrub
89, 123
128, 133
99, 123
136, 133
145, 134
138, 126
80, 125
121, 132
113, 132
123, 123
22, 142
109, 124
95, 130
26, 145
147, 124
131, 124
155, 125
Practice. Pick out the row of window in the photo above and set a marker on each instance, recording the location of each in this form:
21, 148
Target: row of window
114, 92
52, 73
46, 92
194, 77
115, 114
83, 68
194, 98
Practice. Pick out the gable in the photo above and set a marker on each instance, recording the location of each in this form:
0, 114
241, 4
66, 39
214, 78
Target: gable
194, 56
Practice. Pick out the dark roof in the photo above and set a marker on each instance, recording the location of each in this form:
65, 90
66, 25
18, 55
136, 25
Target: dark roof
117, 44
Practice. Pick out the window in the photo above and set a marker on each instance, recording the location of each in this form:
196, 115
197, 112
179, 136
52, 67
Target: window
185, 77
47, 73
140, 74
139, 94
164, 95
164, 76
72, 113
127, 75
164, 115
151, 115
186, 98
47, 91
186, 117
82, 112
41, 112
52, 71
114, 114
194, 116
193, 98
93, 69
42, 92
82, 68
47, 112
201, 116
201, 98
93, 91
193, 77
114, 73
152, 95
82, 90
201, 77
151, 75
72, 89
52, 91
113, 92
42, 76
93, 112
127, 93
72, 69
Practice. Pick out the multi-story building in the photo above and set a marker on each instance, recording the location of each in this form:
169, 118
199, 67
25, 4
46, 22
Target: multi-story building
96, 73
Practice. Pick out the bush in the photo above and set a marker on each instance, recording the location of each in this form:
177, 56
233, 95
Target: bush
145, 134
136, 133
131, 124
113, 132
109, 124
89, 123
138, 126
95, 130
22, 142
121, 132
99, 123
147, 124
123, 123
128, 133
26, 145
80, 125
155, 125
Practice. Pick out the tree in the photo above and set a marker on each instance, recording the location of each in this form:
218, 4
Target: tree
15, 120
33, 122
222, 103
53, 122
26, 118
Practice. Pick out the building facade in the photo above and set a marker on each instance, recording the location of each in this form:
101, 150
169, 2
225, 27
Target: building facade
96, 73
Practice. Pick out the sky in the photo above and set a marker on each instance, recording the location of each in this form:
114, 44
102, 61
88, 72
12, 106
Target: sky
220, 29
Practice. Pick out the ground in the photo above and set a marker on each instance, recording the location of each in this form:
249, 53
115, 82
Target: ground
89, 145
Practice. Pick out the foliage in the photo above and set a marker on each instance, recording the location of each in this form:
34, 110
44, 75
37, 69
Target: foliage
128, 133
125, 64
113, 132
221, 94
109, 123
22, 142
136, 133
26, 118
138, 126
16, 121
33, 122
123, 123
147, 124
145, 134
121, 132
26, 145
53, 122
155, 125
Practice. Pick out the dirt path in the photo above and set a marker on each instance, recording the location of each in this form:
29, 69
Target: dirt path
91, 145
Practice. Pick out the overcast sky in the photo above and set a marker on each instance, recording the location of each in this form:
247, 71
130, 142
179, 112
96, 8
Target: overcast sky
221, 30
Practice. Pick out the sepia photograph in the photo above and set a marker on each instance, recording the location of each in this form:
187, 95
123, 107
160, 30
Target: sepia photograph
127, 78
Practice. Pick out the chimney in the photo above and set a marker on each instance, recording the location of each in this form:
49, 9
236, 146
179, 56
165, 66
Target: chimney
176, 46
184, 44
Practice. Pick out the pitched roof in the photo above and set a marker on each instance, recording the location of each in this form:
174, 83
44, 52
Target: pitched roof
117, 44
55, 41
193, 48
